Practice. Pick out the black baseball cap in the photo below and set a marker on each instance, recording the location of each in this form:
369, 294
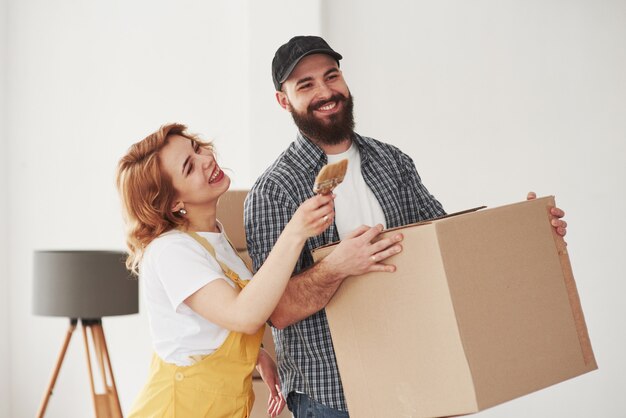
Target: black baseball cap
290, 54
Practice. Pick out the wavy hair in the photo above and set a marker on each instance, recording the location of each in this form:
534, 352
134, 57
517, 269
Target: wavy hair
147, 193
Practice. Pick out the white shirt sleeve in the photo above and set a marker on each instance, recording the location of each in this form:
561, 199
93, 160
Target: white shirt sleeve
184, 267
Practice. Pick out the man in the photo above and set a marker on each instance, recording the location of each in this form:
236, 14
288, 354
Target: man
382, 188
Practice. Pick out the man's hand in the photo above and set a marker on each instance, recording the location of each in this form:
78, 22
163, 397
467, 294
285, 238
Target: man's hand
357, 254
310, 290
559, 225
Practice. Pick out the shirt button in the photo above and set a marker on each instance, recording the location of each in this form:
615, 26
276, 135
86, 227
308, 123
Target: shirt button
179, 376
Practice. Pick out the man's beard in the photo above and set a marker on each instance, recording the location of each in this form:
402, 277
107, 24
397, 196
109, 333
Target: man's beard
341, 124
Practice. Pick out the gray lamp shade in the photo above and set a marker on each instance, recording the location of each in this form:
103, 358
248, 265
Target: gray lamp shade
83, 284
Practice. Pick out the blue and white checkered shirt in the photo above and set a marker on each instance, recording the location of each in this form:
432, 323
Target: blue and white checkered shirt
306, 359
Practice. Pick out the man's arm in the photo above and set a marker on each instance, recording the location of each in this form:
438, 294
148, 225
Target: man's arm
306, 294
309, 291
427, 205
266, 213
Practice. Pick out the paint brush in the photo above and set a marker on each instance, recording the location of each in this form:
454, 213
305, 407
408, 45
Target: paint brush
330, 176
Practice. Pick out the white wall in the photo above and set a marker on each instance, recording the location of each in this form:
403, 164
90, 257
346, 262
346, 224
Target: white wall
4, 280
490, 98
495, 98
272, 24
87, 79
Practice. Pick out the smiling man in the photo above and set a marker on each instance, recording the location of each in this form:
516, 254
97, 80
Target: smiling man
381, 188
319, 101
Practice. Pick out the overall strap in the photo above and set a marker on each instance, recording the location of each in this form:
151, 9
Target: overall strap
237, 252
227, 270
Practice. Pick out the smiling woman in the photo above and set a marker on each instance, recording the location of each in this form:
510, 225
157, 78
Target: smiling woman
206, 316
147, 193
196, 177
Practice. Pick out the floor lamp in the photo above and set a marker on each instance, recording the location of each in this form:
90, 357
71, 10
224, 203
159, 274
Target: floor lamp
85, 286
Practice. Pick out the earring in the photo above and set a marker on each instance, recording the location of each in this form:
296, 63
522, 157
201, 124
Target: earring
182, 211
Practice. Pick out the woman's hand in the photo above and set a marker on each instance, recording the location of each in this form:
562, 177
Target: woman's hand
313, 216
267, 369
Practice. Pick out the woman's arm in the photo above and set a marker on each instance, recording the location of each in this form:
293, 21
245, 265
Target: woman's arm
247, 310
269, 374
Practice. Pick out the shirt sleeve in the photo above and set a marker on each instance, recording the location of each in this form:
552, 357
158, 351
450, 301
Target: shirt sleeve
183, 268
267, 210
427, 205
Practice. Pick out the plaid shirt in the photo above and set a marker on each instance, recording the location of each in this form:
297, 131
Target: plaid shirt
306, 359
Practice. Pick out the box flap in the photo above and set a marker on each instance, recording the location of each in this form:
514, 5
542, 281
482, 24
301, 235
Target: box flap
396, 340
426, 222
510, 298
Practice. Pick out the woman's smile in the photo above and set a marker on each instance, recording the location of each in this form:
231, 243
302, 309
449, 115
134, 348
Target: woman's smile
217, 175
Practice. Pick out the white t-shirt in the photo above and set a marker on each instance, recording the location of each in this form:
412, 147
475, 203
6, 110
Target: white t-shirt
174, 267
355, 204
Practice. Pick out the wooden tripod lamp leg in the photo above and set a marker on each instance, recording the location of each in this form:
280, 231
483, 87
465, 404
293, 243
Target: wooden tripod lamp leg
107, 404
57, 368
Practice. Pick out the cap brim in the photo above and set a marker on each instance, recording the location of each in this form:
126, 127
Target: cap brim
289, 70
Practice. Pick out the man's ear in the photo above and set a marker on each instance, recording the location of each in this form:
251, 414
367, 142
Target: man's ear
283, 100
177, 206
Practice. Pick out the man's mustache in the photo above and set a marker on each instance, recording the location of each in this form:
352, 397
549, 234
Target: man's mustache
337, 97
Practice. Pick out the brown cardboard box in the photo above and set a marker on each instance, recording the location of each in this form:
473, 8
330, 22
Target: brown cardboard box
482, 309
230, 214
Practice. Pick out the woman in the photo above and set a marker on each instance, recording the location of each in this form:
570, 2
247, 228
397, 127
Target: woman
206, 318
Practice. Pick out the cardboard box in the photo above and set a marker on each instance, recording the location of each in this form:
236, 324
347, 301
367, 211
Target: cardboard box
230, 214
482, 309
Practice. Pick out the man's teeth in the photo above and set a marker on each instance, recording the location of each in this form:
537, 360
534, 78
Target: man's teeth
328, 106
215, 174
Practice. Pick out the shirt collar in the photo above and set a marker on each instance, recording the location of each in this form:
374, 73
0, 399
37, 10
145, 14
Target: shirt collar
313, 157
310, 155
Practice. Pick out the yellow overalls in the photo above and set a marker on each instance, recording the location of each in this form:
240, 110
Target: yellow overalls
218, 385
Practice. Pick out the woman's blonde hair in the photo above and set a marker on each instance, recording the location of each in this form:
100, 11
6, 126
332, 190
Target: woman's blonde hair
147, 193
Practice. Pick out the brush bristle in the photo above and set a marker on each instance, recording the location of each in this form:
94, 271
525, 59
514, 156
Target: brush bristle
330, 176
